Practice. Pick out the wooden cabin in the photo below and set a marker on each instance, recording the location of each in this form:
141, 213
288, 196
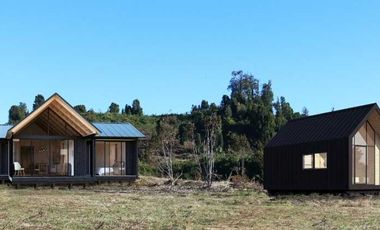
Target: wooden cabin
331, 152
56, 145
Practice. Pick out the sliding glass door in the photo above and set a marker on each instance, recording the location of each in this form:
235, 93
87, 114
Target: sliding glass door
43, 157
110, 158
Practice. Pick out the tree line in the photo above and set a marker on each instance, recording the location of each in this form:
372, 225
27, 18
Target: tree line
212, 141
19, 112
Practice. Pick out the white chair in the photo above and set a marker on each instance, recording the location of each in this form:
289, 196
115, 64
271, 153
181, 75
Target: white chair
19, 171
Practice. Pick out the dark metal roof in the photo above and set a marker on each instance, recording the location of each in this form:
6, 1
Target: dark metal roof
322, 127
118, 130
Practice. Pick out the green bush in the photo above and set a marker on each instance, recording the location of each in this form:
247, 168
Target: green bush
225, 164
188, 168
254, 167
146, 169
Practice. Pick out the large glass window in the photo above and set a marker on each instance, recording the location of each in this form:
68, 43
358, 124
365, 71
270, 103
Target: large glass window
45, 147
43, 157
360, 165
365, 156
110, 158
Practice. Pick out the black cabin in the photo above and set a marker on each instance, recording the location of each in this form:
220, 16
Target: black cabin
330, 152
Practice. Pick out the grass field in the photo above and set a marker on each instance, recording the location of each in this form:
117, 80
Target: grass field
152, 206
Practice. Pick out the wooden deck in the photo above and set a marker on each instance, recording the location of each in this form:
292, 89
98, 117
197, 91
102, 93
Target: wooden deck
59, 180
51, 180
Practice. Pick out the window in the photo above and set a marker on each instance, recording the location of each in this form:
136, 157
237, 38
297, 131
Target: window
110, 158
308, 161
365, 155
43, 157
315, 161
320, 160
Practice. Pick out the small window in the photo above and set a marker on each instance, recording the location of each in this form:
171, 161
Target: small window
308, 161
315, 161
320, 160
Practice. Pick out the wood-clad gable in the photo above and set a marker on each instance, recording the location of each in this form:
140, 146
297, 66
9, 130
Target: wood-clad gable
58, 112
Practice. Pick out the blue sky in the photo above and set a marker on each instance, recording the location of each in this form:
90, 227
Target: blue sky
172, 54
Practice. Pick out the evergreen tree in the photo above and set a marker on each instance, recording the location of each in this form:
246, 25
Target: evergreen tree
127, 109
136, 108
305, 112
114, 108
38, 101
80, 108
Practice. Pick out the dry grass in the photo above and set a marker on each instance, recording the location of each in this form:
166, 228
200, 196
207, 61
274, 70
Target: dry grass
149, 204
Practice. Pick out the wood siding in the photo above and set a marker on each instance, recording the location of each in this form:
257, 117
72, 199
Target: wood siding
284, 167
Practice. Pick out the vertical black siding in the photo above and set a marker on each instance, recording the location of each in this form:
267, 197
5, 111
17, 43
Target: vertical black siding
92, 157
81, 158
11, 169
283, 167
132, 159
4, 158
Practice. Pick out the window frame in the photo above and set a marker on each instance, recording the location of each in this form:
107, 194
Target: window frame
312, 161
313, 165
321, 153
366, 147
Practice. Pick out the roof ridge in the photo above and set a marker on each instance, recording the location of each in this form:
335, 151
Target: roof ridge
333, 112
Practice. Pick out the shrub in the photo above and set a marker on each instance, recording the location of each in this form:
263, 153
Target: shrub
254, 167
188, 168
146, 169
225, 165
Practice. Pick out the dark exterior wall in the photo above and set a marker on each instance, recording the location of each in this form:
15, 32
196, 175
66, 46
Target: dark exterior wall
81, 158
4, 157
132, 158
283, 167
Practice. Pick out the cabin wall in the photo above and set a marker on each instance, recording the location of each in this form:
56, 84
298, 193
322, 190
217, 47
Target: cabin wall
81, 158
132, 158
4, 158
283, 167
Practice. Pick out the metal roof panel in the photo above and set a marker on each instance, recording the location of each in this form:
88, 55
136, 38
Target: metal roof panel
119, 130
321, 127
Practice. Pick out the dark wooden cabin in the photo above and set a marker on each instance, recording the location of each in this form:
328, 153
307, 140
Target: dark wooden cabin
56, 145
330, 152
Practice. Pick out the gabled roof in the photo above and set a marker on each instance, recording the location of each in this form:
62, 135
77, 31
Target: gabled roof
64, 110
326, 126
117, 130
